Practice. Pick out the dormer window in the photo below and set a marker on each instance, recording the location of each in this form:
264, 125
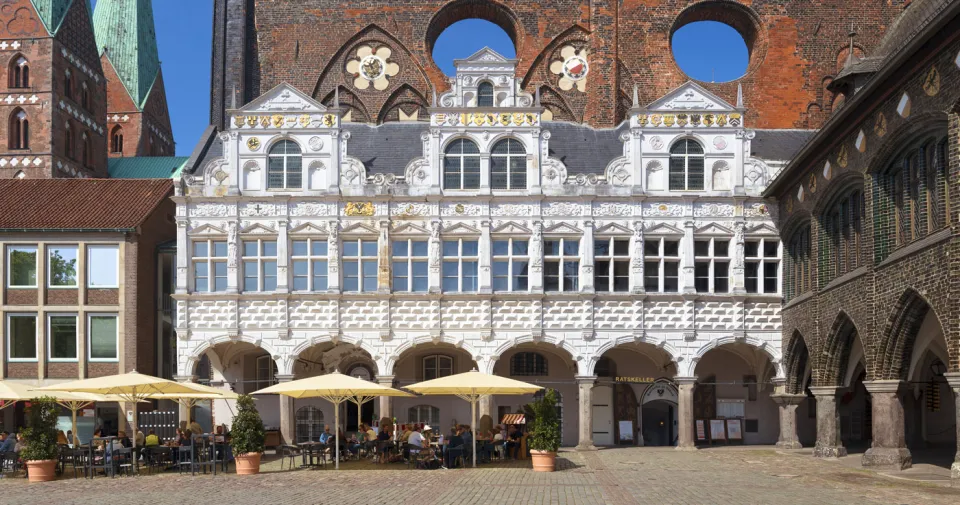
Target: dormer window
461, 165
284, 169
485, 94
686, 166
508, 165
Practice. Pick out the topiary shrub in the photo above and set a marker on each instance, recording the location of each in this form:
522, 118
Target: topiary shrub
247, 432
544, 425
41, 432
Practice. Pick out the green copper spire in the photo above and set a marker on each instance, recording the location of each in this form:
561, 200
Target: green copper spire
125, 31
52, 13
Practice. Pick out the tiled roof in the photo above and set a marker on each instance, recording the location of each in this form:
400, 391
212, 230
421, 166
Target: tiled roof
79, 204
52, 12
125, 30
779, 145
146, 167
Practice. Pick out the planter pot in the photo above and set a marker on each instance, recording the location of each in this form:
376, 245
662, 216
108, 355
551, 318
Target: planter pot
248, 464
543, 461
43, 470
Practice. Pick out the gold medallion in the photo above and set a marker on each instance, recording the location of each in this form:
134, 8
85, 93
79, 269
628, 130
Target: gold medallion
842, 156
880, 127
641, 119
329, 120
253, 143
265, 121
931, 83
359, 209
251, 120
305, 120
277, 120
238, 121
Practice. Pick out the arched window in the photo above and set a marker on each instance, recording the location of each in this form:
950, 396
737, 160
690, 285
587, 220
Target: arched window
916, 186
116, 140
19, 129
309, 424
86, 153
461, 165
284, 167
68, 140
799, 273
436, 366
843, 225
686, 166
68, 85
485, 94
528, 364
85, 96
19, 73
426, 414
605, 367
508, 165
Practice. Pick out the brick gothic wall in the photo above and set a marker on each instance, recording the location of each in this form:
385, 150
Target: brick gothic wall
897, 280
795, 48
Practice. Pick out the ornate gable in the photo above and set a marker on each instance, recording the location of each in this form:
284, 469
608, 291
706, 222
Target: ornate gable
206, 230
284, 98
307, 229
460, 229
258, 229
408, 229
512, 227
714, 229
693, 97
663, 229
762, 229
613, 229
563, 229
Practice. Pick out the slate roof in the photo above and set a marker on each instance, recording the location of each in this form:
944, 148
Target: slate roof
385, 149
779, 145
79, 204
146, 167
584, 150
125, 30
52, 12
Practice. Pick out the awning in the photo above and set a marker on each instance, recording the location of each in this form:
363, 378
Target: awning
513, 419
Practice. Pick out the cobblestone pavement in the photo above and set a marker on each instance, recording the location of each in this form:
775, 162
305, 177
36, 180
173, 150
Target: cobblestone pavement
613, 476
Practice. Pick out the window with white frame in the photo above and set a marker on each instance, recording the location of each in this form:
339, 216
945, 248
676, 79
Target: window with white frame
511, 259
460, 260
686, 166
284, 166
508, 165
712, 265
22, 337
359, 265
22, 266
410, 266
103, 266
310, 265
561, 264
426, 414
762, 265
661, 266
528, 364
266, 371
103, 337
209, 266
62, 337
461, 165
62, 266
436, 366
259, 265
611, 258
485, 94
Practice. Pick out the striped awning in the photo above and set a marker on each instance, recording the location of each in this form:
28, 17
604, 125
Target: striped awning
513, 419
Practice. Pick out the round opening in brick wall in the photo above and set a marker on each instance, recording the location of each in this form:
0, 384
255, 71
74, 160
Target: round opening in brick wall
710, 51
464, 38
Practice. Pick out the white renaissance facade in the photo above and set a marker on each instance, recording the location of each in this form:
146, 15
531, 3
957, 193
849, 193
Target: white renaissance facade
621, 283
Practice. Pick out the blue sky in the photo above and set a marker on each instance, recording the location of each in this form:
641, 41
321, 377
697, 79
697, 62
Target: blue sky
184, 37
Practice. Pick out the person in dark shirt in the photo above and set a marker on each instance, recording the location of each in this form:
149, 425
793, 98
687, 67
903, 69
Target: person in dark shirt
513, 444
454, 448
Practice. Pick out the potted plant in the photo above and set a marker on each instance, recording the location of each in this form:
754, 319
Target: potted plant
248, 436
544, 427
40, 452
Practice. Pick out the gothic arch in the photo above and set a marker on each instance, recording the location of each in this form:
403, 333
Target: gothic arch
350, 101
355, 340
796, 361
559, 343
914, 127
575, 34
838, 187
836, 350
665, 347
404, 96
387, 363
558, 105
458, 10
895, 348
188, 366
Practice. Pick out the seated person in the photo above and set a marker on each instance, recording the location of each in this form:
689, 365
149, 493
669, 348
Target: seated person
454, 449
8, 442
152, 440
121, 441
185, 438
326, 436
414, 441
513, 443
61, 438
21, 443
140, 438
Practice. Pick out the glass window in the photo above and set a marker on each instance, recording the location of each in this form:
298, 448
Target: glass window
360, 265
410, 267
762, 266
104, 338
259, 265
485, 94
209, 266
103, 266
460, 260
686, 166
436, 366
561, 265
461, 165
508, 165
22, 265
62, 337
424, 414
284, 166
661, 266
612, 264
22, 337
528, 364
62, 266
310, 265
309, 424
712, 265
511, 265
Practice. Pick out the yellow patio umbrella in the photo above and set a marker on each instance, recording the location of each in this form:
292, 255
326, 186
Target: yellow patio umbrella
201, 392
471, 386
74, 402
334, 387
13, 392
129, 387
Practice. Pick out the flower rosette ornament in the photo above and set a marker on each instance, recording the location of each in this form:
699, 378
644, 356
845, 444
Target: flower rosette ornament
572, 67
372, 67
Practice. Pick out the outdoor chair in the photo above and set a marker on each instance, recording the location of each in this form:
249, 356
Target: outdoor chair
185, 459
292, 453
99, 460
75, 458
125, 462
9, 463
413, 455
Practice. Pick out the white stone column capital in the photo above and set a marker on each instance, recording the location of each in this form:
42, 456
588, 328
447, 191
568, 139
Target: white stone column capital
284, 377
953, 379
884, 386
825, 391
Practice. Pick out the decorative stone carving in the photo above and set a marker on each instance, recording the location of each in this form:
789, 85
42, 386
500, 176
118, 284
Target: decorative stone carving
713, 210
572, 67
434, 250
613, 209
664, 210
315, 143
310, 209
372, 67
656, 143
536, 248
209, 210
562, 209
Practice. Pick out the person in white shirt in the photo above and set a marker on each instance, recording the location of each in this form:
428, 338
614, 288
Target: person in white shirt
416, 439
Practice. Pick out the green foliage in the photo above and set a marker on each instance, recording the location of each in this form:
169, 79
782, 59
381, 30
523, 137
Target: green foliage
63, 272
41, 433
247, 433
23, 268
544, 423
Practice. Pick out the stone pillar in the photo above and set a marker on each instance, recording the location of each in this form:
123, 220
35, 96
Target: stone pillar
636, 258
585, 414
686, 434
283, 257
384, 263
485, 247
586, 259
889, 446
184, 251
828, 423
687, 263
536, 259
486, 409
234, 270
386, 402
788, 420
953, 378
333, 256
288, 416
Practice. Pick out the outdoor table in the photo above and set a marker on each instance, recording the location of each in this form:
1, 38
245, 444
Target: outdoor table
311, 450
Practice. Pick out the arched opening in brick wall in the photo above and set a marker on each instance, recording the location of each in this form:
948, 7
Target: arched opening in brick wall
464, 27
717, 41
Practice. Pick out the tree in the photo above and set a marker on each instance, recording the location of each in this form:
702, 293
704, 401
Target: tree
247, 435
23, 267
63, 272
41, 435
544, 423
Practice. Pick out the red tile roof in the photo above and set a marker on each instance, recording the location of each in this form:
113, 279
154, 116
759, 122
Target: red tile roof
79, 204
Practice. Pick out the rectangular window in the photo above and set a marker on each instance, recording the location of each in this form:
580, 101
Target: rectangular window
437, 366
561, 265
103, 266
511, 265
22, 337
62, 337
209, 266
460, 259
712, 265
259, 265
762, 266
612, 265
360, 265
62, 266
22, 266
309, 265
103, 337
266, 371
410, 266
661, 266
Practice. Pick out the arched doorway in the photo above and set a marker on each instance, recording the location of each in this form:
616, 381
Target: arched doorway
366, 411
349, 359
659, 414
426, 362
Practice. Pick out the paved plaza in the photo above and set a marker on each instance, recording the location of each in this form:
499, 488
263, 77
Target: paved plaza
612, 476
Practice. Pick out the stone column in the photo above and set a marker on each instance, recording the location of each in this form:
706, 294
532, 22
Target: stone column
788, 420
184, 251
889, 446
536, 259
234, 270
585, 415
386, 402
686, 434
333, 256
687, 263
384, 263
485, 247
636, 258
288, 416
953, 378
586, 259
828, 423
486, 408
283, 257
